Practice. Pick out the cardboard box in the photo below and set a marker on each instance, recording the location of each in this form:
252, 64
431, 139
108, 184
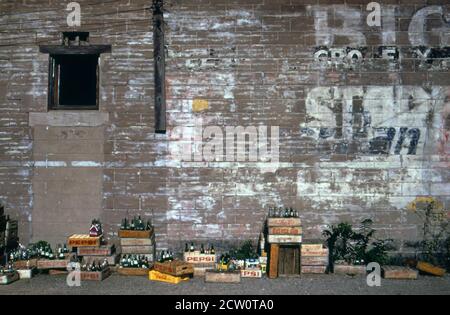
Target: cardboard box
27, 273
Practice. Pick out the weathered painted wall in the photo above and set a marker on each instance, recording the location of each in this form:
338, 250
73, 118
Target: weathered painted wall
363, 112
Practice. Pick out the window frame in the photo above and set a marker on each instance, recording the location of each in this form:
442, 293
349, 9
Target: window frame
54, 81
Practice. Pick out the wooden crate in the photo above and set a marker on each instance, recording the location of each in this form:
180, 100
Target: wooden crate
284, 260
161, 277
27, 273
136, 241
95, 251
430, 269
200, 271
84, 241
284, 222
314, 269
175, 268
133, 272
399, 273
197, 258
315, 261
350, 270
285, 231
9, 278
52, 264
251, 273
137, 250
314, 251
95, 276
284, 239
222, 277
112, 260
25, 264
135, 234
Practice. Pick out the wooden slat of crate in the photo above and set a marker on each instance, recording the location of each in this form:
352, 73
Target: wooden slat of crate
83, 241
284, 222
175, 268
136, 242
138, 249
251, 273
161, 277
25, 264
285, 239
285, 231
52, 264
135, 234
95, 276
222, 277
273, 261
315, 261
9, 278
399, 273
350, 270
430, 269
95, 251
314, 269
197, 258
134, 272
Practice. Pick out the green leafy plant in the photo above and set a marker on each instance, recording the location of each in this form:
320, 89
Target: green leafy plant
356, 247
246, 251
434, 248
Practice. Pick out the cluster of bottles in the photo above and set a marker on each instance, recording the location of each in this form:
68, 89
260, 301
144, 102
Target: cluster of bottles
6, 270
225, 259
96, 266
42, 250
134, 261
166, 256
283, 213
207, 251
136, 224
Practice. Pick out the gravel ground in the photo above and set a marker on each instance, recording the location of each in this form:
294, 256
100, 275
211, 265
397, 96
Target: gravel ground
307, 285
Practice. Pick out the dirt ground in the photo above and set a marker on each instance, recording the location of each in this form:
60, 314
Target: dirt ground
307, 285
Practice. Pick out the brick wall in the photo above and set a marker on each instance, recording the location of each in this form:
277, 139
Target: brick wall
362, 112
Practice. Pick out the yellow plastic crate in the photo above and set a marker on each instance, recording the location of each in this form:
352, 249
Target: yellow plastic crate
162, 277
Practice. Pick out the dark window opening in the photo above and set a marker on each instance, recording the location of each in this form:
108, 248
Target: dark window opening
74, 81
